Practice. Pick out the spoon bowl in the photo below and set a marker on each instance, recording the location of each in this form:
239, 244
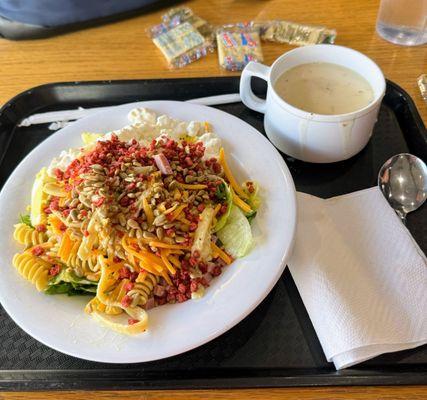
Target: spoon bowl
403, 182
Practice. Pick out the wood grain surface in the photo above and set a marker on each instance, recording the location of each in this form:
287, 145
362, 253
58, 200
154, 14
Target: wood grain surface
342, 393
122, 50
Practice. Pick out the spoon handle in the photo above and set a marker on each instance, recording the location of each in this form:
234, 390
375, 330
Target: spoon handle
402, 216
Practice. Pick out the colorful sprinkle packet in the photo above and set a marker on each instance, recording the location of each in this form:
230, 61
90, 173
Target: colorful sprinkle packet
182, 37
237, 45
179, 15
294, 33
422, 85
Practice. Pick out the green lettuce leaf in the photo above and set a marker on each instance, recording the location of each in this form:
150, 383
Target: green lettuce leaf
67, 282
25, 219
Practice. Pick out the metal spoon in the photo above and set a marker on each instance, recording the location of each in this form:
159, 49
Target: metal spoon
403, 181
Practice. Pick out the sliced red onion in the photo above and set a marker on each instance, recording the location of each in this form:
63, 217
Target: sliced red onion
163, 164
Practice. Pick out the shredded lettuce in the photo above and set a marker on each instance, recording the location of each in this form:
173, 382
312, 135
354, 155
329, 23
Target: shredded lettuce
223, 193
67, 282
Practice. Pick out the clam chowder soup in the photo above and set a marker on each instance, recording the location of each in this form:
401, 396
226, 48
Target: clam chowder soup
324, 88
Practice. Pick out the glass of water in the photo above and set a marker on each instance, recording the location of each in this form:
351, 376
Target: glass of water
403, 21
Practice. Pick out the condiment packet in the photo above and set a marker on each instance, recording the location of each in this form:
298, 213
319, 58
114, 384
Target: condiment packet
422, 85
182, 37
294, 33
237, 45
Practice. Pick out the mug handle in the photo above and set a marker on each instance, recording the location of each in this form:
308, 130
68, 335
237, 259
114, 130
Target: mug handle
246, 94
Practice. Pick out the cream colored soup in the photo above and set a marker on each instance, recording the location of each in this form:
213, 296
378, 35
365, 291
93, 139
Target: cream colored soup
324, 88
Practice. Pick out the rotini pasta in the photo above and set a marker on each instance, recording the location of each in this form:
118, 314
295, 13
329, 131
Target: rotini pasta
29, 236
132, 223
32, 268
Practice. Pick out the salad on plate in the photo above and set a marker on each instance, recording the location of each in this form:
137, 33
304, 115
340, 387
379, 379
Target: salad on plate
136, 218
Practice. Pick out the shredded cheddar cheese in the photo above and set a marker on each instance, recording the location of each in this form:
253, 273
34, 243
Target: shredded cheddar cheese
230, 176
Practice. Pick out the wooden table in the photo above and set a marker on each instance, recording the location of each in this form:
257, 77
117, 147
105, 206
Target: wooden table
123, 51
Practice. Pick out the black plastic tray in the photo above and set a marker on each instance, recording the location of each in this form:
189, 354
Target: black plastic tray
276, 344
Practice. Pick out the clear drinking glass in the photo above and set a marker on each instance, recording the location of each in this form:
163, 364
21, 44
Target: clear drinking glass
403, 21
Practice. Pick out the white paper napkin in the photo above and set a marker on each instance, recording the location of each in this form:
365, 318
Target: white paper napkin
361, 275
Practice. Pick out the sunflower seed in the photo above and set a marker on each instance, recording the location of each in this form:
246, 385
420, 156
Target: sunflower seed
132, 224
148, 235
160, 233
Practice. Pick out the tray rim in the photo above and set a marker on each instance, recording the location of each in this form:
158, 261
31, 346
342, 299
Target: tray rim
50, 85
25, 380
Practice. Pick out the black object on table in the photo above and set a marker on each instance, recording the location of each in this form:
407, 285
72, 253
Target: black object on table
276, 344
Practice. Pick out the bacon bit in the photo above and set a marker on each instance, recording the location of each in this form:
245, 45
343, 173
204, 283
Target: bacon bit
124, 273
54, 270
188, 161
41, 228
162, 164
37, 250
54, 204
193, 226
47, 210
170, 232
182, 288
99, 202
133, 276
192, 261
132, 321
131, 186
170, 217
161, 301
66, 212
126, 301
83, 213
250, 186
216, 167
128, 287
116, 259
86, 233
196, 254
201, 207
216, 271
181, 297
63, 227
194, 286
58, 173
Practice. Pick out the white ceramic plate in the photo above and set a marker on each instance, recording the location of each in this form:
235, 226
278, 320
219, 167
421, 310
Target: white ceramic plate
59, 321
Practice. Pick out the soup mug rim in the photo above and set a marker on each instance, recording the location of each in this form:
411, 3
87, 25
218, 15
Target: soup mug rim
327, 117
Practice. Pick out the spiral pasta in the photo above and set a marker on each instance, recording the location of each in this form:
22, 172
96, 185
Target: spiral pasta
29, 236
141, 291
32, 268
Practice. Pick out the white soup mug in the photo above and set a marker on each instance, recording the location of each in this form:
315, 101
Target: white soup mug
307, 136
